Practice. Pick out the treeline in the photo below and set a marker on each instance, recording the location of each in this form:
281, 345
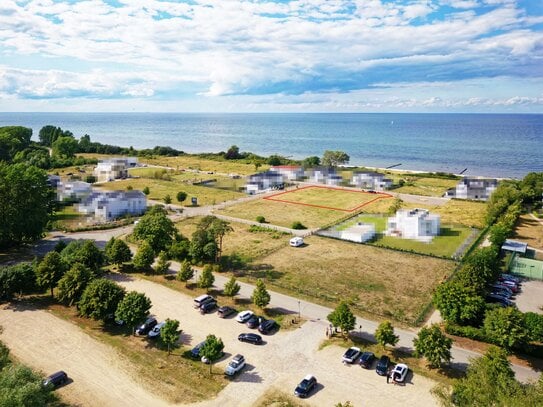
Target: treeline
461, 300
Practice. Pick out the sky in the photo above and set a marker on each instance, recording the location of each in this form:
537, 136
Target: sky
271, 56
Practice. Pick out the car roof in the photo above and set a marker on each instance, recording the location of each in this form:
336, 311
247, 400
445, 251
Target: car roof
309, 377
239, 357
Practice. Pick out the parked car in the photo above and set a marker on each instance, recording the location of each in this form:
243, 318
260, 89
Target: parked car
236, 365
351, 355
207, 307
144, 328
195, 352
399, 373
509, 283
202, 299
382, 365
207, 361
511, 286
297, 241
267, 326
225, 311
244, 316
502, 288
498, 299
255, 339
155, 332
306, 386
501, 293
366, 360
510, 277
56, 379
253, 322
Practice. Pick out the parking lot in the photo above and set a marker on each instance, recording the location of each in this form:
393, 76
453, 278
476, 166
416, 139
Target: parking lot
530, 299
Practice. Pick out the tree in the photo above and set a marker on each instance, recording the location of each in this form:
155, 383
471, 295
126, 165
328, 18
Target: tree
50, 270
334, 158
206, 278
167, 199
163, 265
46, 135
186, 272
218, 229
257, 165
261, 297
25, 203
385, 334
181, 196
274, 160
534, 325
156, 228
432, 344
72, 284
144, 257
498, 234
395, 206
19, 278
169, 333
100, 299
14, 140
212, 349
488, 379
118, 253
311, 162
146, 190
506, 327
85, 252
65, 147
343, 318
133, 309
459, 304
231, 288
20, 386
179, 250
232, 153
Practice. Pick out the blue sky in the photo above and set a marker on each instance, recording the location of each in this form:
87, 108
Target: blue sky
272, 56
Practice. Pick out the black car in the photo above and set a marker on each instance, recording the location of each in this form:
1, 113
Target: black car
208, 307
195, 352
267, 326
144, 328
366, 360
251, 338
306, 386
225, 311
56, 379
253, 322
382, 366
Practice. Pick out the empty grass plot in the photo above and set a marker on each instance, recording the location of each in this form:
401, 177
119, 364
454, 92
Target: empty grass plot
338, 199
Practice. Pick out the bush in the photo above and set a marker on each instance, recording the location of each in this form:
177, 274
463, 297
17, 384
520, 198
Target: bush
297, 225
261, 219
469, 332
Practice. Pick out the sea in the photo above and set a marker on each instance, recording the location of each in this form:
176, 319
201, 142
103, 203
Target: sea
493, 145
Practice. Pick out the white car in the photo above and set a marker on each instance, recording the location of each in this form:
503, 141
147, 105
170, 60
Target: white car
244, 316
351, 355
297, 241
155, 332
235, 365
399, 373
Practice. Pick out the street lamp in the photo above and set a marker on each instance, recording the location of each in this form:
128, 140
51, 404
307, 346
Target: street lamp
299, 312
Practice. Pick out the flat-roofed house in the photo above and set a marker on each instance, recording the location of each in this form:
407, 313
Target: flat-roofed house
109, 205
264, 181
371, 180
474, 188
418, 224
114, 168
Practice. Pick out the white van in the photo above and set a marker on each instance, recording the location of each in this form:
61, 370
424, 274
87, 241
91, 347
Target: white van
296, 241
202, 299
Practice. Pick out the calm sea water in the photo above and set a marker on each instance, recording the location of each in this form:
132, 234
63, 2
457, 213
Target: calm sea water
491, 145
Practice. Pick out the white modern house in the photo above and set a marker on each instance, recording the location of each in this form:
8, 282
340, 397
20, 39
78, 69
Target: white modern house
109, 205
371, 180
264, 181
418, 224
474, 188
290, 172
114, 168
73, 190
360, 233
324, 175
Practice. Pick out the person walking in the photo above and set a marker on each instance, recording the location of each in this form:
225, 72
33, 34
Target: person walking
388, 378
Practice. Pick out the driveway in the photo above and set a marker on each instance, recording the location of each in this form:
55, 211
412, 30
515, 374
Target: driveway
530, 298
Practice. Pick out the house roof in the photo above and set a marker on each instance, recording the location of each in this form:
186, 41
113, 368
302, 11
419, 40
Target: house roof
515, 246
286, 167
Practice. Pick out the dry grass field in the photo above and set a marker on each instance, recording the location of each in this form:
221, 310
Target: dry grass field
204, 164
327, 197
160, 188
425, 186
378, 281
529, 230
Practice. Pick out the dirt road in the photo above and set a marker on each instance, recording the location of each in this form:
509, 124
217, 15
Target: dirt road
47, 343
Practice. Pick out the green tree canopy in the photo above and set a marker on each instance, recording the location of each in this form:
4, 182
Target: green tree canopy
156, 228
65, 147
334, 158
231, 288
144, 257
100, 299
133, 309
25, 203
19, 278
163, 265
311, 162
459, 304
50, 270
232, 153
385, 334
186, 272
169, 333
261, 297
118, 252
212, 349
343, 318
73, 283
21, 387
206, 278
13, 139
85, 252
181, 196
434, 345
506, 327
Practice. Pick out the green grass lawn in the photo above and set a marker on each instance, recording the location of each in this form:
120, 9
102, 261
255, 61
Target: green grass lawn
327, 197
423, 185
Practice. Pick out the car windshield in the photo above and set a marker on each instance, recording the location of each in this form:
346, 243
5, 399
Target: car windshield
304, 384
